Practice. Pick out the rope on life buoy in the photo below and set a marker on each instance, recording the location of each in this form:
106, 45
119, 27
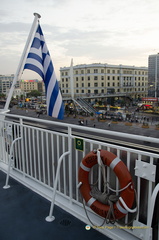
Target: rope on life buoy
113, 209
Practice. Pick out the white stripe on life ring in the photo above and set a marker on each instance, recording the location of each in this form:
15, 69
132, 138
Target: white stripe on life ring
91, 201
114, 163
120, 208
84, 167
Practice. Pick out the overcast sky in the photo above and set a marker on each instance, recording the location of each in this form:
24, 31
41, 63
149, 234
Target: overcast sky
89, 31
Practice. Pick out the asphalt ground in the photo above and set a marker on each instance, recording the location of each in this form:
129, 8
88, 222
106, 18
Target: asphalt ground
121, 126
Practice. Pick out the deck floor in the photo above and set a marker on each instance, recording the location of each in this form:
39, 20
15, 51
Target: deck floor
23, 212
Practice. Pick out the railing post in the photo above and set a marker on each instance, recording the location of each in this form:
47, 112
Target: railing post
9, 162
22, 146
152, 204
70, 161
51, 218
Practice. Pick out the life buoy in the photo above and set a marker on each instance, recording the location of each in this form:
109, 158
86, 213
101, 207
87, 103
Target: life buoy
111, 160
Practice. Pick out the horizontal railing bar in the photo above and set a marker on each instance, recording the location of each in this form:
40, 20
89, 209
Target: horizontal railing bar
89, 129
132, 150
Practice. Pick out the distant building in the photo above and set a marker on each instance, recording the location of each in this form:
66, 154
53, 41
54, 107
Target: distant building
97, 78
30, 85
153, 75
6, 82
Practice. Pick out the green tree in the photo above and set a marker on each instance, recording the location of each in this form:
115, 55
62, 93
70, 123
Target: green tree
2, 95
34, 93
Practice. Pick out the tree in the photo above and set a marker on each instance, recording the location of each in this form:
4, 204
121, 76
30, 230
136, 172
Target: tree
2, 95
34, 93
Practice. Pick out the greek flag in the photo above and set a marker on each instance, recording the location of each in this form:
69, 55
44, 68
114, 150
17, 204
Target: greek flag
39, 60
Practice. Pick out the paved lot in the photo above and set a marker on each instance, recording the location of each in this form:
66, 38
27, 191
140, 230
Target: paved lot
136, 128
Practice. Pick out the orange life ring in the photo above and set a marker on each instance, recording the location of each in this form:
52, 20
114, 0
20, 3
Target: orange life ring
111, 160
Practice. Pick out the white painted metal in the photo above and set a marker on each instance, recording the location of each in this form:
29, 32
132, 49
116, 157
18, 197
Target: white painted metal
9, 162
71, 79
145, 170
23, 59
37, 160
50, 218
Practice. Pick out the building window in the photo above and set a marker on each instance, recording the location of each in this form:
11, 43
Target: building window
76, 78
76, 72
76, 84
95, 84
82, 71
88, 78
88, 70
95, 77
89, 84
102, 84
82, 78
102, 70
102, 77
95, 70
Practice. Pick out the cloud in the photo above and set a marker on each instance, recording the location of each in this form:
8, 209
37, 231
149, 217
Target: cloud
111, 31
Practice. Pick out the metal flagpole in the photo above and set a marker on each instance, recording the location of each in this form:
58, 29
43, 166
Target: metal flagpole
156, 78
23, 59
72, 80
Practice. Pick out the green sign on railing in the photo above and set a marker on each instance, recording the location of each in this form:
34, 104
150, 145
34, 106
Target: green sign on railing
79, 144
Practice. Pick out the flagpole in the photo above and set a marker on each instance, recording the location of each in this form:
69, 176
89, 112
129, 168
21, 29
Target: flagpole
71, 79
23, 59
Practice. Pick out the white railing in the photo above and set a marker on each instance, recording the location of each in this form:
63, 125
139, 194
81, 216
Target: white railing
36, 149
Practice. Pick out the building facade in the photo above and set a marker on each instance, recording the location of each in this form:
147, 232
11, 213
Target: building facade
30, 85
103, 79
6, 82
153, 75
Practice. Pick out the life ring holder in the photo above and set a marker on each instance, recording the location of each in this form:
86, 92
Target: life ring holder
127, 192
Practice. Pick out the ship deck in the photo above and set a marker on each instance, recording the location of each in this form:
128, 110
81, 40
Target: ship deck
23, 215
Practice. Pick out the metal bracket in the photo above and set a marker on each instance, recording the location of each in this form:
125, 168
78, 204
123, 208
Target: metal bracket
145, 170
9, 130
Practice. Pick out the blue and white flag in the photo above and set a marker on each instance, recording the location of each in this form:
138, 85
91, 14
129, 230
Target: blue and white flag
39, 61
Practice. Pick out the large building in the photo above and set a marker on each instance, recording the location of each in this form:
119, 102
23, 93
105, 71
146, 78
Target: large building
97, 79
30, 85
21, 87
153, 75
6, 82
